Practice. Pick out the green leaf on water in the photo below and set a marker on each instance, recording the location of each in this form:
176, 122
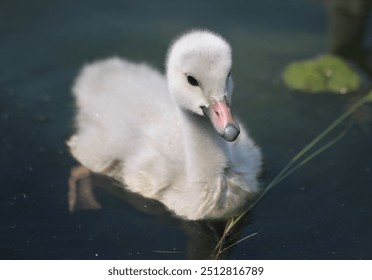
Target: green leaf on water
327, 73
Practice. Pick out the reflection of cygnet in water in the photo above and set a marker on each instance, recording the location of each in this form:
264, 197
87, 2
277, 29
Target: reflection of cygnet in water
158, 135
202, 236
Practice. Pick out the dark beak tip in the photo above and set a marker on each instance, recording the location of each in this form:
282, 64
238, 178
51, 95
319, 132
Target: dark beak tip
231, 132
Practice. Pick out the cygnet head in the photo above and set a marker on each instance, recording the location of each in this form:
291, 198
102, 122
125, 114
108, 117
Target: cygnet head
198, 73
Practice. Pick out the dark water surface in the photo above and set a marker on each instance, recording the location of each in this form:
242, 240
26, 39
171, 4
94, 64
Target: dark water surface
324, 211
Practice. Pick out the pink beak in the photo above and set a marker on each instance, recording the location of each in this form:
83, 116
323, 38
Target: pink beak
222, 120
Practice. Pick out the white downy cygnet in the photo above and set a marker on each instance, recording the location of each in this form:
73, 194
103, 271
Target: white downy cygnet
160, 136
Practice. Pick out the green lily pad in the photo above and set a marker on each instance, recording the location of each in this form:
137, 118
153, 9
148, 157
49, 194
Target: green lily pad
326, 73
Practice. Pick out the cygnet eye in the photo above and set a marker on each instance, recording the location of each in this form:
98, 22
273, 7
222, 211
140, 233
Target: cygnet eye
192, 81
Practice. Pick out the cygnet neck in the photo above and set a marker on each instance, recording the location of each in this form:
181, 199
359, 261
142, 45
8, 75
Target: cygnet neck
203, 147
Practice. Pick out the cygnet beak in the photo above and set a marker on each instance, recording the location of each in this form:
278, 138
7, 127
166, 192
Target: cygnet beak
222, 120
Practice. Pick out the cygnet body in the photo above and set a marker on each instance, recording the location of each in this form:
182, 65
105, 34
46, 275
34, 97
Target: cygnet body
169, 137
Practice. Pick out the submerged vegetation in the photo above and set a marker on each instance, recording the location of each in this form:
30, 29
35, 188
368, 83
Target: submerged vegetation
327, 73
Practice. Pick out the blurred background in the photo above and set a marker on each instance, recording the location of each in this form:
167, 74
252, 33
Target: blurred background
323, 211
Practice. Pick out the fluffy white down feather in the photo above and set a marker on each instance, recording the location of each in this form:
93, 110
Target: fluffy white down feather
149, 132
